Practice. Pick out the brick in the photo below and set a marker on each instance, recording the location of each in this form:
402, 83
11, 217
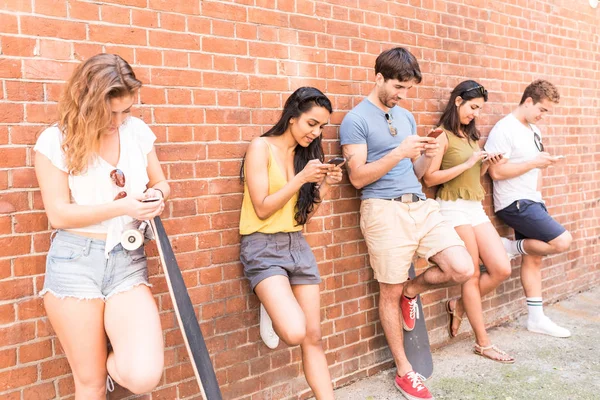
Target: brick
174, 40
17, 333
29, 265
9, 23
47, 69
15, 5
17, 46
191, 7
44, 391
52, 28
11, 113
24, 91
14, 378
35, 351
116, 34
41, 113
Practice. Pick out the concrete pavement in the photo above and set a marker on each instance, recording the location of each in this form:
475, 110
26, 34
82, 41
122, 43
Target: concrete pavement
546, 368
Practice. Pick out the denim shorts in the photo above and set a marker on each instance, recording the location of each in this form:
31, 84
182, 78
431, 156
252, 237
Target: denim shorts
268, 254
76, 266
530, 220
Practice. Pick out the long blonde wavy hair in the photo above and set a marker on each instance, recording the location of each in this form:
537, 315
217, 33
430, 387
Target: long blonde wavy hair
84, 107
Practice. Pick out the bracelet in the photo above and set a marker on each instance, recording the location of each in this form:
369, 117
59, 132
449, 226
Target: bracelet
161, 192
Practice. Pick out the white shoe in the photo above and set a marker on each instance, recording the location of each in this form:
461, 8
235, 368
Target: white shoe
547, 327
267, 333
507, 246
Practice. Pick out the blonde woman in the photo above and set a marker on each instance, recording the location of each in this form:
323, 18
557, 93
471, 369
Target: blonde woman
94, 166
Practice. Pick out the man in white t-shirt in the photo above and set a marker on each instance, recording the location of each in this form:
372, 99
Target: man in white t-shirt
518, 199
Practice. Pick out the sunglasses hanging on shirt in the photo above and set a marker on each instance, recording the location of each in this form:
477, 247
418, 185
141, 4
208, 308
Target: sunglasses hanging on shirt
392, 128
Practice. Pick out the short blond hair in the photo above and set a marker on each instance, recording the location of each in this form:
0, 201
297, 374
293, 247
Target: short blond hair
539, 90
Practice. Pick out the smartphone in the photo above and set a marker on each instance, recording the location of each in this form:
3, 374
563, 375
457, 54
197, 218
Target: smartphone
435, 133
150, 199
490, 155
336, 161
559, 157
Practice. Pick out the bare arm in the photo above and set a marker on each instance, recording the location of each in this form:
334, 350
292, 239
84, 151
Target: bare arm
504, 171
63, 214
257, 178
362, 173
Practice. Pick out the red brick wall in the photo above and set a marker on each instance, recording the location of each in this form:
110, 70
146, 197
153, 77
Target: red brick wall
216, 74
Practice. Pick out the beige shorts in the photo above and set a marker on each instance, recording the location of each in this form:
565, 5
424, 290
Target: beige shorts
395, 231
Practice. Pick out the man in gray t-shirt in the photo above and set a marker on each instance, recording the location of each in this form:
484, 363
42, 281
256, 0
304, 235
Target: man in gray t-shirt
386, 158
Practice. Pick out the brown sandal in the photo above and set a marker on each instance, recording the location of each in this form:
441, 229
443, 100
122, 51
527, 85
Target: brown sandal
480, 351
451, 317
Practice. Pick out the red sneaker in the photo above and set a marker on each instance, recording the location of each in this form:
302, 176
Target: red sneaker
410, 312
411, 386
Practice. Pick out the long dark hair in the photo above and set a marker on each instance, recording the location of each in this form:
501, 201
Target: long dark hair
301, 101
467, 90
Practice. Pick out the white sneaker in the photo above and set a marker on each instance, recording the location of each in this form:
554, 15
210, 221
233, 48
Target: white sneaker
507, 246
267, 333
547, 327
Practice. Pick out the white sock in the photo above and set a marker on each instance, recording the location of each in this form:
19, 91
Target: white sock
535, 308
514, 246
520, 246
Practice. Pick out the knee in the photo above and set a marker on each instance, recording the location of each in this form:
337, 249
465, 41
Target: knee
90, 386
142, 377
293, 336
313, 337
503, 273
562, 243
462, 268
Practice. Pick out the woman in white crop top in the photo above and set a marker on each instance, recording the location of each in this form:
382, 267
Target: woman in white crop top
94, 166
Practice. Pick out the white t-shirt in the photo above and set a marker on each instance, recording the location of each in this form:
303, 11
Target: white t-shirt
516, 141
95, 186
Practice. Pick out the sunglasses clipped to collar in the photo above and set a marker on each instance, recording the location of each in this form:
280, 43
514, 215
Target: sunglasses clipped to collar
391, 127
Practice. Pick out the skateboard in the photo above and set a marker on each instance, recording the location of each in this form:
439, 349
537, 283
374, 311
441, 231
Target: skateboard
416, 342
186, 316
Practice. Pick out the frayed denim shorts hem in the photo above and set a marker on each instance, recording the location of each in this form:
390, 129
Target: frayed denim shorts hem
77, 267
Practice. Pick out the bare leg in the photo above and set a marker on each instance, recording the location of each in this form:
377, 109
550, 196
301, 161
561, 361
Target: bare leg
453, 266
481, 241
79, 325
275, 294
536, 247
391, 320
531, 275
314, 361
133, 326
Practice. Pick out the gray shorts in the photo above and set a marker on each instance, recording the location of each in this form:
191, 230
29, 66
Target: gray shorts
265, 255
77, 267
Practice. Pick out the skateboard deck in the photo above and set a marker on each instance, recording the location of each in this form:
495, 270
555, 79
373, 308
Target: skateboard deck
416, 342
186, 316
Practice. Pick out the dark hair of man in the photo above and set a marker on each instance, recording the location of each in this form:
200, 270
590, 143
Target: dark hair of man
539, 90
450, 119
398, 63
300, 102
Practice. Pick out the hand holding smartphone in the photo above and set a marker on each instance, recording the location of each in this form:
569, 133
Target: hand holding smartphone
336, 161
435, 132
492, 155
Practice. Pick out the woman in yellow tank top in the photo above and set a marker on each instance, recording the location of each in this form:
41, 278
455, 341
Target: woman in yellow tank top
285, 181
457, 169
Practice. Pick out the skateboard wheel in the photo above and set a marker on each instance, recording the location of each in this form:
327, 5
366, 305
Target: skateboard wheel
132, 239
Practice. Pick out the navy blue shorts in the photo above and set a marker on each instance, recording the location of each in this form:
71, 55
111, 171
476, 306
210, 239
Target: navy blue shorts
531, 220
